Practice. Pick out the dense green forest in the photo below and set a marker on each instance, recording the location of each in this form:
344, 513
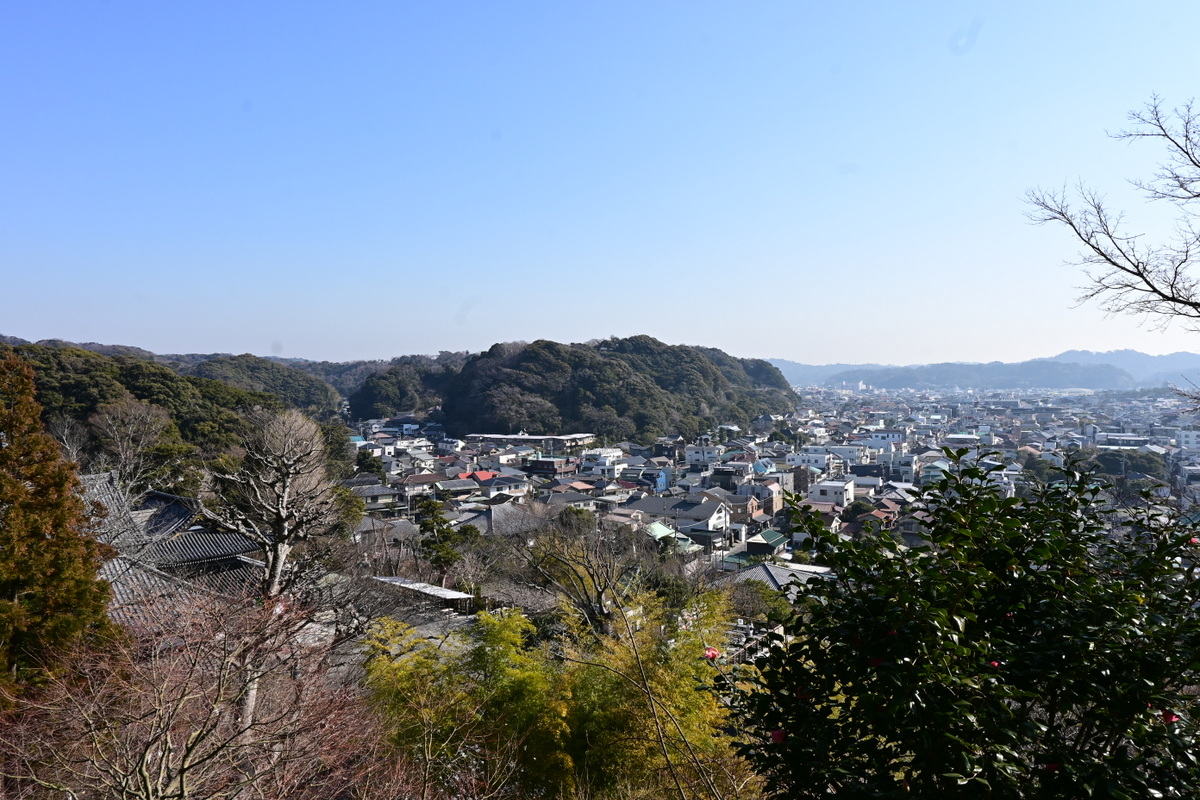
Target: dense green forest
348, 377
304, 389
411, 383
295, 387
618, 388
76, 384
631, 388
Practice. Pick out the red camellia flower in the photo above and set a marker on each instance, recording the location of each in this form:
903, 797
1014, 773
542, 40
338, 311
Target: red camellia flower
1193, 540
875, 662
1052, 767
778, 736
994, 663
712, 653
1170, 716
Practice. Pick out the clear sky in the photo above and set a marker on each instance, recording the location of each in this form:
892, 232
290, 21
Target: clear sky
815, 181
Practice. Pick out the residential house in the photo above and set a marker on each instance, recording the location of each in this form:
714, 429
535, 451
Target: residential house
705, 520
766, 542
703, 451
381, 499
551, 467
606, 462
839, 492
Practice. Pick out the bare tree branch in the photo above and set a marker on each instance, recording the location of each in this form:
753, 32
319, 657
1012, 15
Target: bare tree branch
127, 432
279, 494
1128, 275
158, 715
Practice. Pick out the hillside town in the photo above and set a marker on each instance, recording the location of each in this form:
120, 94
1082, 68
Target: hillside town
457, 582
721, 506
720, 499
529, 593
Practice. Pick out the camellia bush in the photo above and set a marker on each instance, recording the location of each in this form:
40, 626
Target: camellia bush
1044, 647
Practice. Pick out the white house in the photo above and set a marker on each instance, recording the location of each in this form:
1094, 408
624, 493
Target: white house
703, 452
821, 461
603, 461
901, 466
887, 439
850, 453
840, 491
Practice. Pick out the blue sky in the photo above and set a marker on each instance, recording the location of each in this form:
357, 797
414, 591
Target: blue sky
820, 182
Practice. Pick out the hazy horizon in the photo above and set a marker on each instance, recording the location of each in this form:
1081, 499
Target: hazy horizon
484, 348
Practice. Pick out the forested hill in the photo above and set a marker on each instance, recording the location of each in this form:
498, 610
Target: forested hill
634, 388
75, 385
637, 387
295, 387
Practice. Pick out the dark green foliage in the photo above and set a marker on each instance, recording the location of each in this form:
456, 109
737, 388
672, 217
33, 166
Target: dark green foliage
442, 545
213, 422
1127, 462
856, 509
368, 463
76, 383
72, 383
346, 377
414, 383
1029, 652
617, 389
340, 454
746, 371
756, 600
1119, 469
102, 349
49, 592
350, 376
1040, 469
296, 388
675, 368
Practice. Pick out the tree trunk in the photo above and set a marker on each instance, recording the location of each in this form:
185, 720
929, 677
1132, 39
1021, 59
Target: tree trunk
277, 556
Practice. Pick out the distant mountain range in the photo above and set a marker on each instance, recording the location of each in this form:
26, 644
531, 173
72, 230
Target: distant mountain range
1073, 369
1173, 368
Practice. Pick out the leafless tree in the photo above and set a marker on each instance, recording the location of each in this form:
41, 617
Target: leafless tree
476, 566
72, 436
591, 569
278, 494
1127, 273
161, 714
127, 433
